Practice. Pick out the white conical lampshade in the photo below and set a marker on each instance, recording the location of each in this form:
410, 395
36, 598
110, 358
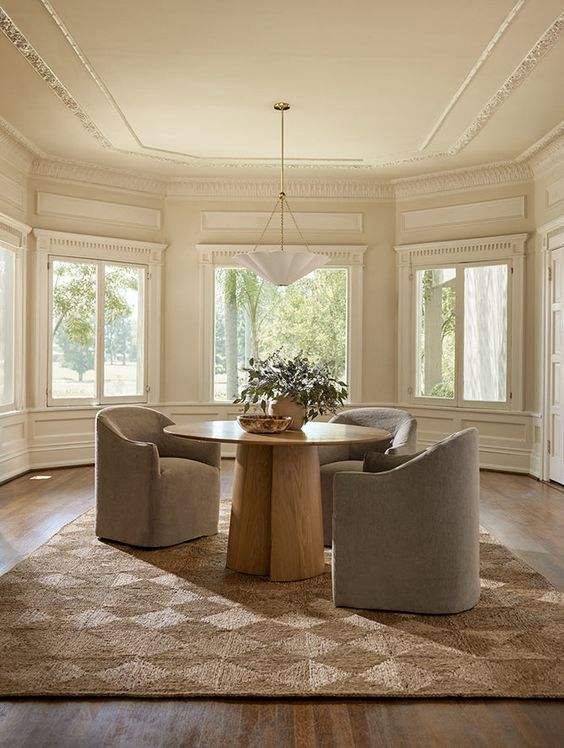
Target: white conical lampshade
281, 267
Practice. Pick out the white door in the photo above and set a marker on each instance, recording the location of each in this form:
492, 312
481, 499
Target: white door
557, 366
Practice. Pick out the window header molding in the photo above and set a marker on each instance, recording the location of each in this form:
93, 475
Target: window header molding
341, 255
99, 247
461, 250
13, 233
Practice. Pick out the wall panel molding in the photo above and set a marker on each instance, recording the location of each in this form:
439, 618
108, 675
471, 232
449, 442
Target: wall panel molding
42, 438
78, 208
213, 220
463, 214
12, 191
555, 193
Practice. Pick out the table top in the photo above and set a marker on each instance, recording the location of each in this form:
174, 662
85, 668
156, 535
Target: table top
312, 434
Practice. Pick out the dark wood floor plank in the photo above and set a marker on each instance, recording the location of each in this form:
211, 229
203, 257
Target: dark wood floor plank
524, 514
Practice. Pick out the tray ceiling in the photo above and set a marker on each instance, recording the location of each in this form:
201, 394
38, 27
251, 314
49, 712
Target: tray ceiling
376, 88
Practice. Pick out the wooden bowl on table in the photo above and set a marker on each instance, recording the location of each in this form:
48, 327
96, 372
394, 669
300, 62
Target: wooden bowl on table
258, 424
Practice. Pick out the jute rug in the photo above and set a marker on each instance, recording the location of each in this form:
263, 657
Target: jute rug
80, 617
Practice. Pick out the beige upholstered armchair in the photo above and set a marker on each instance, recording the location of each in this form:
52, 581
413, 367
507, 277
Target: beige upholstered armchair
399, 423
408, 539
152, 489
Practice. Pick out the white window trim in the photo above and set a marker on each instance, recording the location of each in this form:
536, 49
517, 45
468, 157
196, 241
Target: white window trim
460, 253
13, 237
63, 245
350, 257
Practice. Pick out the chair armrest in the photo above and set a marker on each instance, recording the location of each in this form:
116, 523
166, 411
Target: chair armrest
190, 449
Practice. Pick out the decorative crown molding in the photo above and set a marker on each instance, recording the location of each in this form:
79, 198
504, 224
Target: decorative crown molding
551, 155
13, 232
323, 189
484, 175
80, 171
16, 148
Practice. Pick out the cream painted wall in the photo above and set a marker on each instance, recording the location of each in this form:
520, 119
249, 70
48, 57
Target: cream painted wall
181, 288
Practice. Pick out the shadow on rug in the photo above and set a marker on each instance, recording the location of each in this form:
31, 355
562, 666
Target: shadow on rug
80, 617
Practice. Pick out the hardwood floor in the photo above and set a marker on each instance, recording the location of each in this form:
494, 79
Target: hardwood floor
527, 516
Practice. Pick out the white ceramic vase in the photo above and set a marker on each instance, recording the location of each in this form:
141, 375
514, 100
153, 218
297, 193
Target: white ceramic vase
287, 406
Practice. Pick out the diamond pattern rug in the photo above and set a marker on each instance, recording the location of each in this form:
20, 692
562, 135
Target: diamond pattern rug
80, 617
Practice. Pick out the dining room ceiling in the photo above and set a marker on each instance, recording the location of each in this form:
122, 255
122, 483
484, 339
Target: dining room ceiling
386, 87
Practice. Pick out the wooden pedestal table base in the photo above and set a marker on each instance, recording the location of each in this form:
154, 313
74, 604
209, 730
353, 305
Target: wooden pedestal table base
276, 522
276, 525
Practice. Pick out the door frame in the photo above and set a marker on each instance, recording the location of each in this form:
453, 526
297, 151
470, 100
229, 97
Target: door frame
551, 235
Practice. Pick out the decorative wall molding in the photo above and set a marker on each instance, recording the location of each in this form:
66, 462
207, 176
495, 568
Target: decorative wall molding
223, 254
13, 232
454, 180
214, 220
554, 193
486, 211
85, 245
12, 192
462, 250
546, 152
42, 438
50, 204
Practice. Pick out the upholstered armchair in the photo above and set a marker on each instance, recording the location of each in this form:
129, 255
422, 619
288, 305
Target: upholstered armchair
408, 539
399, 423
152, 489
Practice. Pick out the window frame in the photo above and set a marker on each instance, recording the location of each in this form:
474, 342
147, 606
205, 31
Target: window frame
458, 255
59, 245
212, 256
99, 339
13, 238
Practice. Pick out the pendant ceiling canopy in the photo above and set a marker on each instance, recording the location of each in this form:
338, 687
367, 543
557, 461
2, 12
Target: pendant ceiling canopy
282, 266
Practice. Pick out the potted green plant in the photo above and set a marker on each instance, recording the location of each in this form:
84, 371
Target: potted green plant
291, 387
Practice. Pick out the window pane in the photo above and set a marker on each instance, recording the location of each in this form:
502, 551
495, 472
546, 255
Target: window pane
485, 333
255, 318
123, 331
436, 332
6, 327
73, 330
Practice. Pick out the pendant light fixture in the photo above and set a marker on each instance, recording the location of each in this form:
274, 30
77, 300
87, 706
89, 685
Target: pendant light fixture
282, 266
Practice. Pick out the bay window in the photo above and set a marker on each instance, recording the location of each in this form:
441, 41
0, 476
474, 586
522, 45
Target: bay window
460, 322
97, 331
244, 316
7, 328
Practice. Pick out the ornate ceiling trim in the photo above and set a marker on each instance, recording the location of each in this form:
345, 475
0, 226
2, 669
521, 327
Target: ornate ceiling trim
17, 149
484, 175
547, 152
25, 48
473, 72
523, 70
517, 77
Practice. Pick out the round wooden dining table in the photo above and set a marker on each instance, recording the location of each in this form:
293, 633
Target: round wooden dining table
276, 527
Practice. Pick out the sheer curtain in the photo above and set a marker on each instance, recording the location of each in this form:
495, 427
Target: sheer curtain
485, 333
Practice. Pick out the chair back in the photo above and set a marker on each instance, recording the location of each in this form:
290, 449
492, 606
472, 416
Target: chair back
399, 423
134, 422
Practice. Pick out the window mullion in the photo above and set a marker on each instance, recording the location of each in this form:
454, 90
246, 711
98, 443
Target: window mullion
459, 337
100, 295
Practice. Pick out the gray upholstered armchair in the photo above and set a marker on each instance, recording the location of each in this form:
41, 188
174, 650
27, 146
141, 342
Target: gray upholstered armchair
408, 539
152, 489
399, 423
